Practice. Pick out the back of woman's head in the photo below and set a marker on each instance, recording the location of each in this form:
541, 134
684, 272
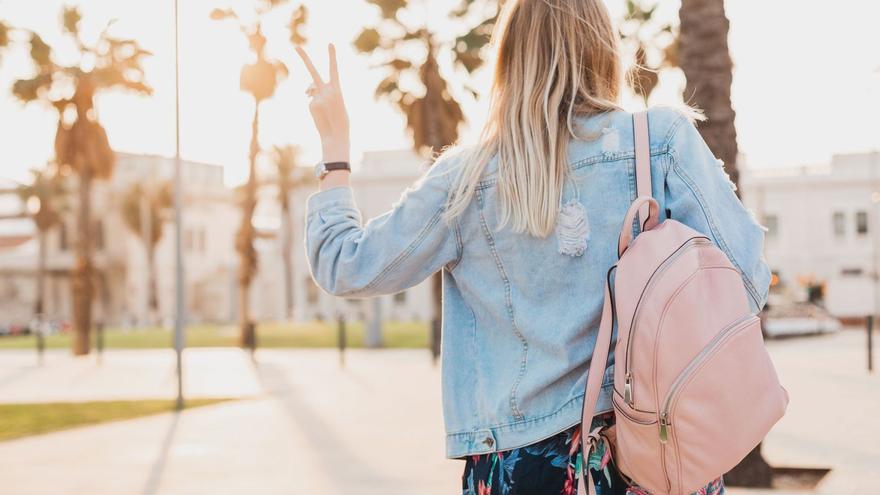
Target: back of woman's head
556, 59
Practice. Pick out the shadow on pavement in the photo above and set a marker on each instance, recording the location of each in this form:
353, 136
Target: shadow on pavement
333, 452
153, 481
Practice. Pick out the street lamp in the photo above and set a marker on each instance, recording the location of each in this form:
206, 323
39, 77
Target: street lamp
180, 309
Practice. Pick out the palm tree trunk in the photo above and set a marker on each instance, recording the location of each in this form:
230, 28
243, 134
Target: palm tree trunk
705, 59
152, 291
245, 241
81, 283
39, 303
286, 258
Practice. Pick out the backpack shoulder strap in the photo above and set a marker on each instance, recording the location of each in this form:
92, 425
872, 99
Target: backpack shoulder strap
643, 159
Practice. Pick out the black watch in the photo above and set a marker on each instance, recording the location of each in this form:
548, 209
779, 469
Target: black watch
324, 168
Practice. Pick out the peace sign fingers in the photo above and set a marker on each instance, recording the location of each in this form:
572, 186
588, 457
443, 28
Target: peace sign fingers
334, 67
327, 106
316, 77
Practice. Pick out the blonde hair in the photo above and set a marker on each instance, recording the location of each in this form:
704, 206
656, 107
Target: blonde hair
555, 59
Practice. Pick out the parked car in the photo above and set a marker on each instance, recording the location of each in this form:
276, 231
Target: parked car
798, 318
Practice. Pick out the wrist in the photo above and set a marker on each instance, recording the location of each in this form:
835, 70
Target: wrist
335, 178
335, 152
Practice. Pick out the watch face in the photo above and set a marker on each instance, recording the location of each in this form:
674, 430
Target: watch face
320, 170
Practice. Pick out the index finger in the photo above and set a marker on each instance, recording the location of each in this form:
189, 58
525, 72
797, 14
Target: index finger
310, 66
334, 67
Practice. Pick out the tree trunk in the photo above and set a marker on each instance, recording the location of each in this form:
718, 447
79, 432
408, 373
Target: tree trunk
286, 258
245, 241
437, 319
39, 303
81, 279
152, 290
705, 59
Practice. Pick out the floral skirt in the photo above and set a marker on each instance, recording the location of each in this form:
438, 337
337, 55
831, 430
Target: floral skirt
550, 467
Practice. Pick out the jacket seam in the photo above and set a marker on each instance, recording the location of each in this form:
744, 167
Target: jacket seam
510, 312
584, 162
406, 252
459, 246
456, 228
476, 372
710, 219
673, 129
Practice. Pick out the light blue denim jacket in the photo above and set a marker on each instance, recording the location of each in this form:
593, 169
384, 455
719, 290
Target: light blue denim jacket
519, 318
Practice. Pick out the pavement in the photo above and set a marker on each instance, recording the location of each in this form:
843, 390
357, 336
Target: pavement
305, 424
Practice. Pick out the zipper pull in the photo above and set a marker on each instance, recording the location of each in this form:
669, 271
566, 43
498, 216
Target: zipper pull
628, 389
664, 428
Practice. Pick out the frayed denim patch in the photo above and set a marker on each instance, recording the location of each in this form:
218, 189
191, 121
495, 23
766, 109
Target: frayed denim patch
572, 229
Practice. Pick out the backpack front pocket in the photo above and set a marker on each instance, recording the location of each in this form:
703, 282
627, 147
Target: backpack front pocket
708, 416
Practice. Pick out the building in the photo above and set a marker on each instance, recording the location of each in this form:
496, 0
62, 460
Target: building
119, 254
823, 238
211, 219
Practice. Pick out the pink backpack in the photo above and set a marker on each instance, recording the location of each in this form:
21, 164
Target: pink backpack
694, 388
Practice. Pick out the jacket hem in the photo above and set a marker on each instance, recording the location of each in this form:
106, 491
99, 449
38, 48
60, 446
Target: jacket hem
526, 432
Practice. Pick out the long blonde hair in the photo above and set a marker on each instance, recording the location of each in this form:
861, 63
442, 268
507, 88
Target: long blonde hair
555, 59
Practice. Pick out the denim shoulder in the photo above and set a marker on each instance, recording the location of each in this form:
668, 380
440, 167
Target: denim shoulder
701, 195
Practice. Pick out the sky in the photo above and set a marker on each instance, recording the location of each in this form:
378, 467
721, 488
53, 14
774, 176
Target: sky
806, 81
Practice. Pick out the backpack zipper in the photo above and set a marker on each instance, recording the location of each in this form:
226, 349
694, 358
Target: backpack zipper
679, 251
713, 344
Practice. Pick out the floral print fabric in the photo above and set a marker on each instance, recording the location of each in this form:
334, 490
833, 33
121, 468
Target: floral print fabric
550, 467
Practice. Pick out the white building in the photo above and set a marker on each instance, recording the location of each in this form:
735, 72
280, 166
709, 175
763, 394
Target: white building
824, 228
119, 254
211, 219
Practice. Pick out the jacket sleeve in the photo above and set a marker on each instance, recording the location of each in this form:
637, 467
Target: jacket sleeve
701, 195
393, 251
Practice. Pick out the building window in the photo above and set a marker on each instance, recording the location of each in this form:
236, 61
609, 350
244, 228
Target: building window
862, 222
772, 224
400, 297
851, 272
838, 220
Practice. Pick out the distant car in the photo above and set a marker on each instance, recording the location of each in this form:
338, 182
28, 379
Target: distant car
801, 318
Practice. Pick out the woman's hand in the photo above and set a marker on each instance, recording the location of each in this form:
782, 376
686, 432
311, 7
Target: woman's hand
328, 109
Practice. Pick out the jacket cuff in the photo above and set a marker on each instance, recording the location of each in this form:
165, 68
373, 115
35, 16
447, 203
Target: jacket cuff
335, 196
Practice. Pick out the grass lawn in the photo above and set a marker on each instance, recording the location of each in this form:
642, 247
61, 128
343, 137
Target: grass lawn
269, 335
20, 420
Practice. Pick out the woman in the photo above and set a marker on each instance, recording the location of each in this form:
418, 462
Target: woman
524, 227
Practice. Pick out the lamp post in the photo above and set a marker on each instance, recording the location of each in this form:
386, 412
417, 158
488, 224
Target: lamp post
875, 275
180, 309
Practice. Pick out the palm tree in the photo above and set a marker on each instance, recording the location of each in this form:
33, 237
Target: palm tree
653, 41
433, 115
705, 58
142, 208
260, 79
81, 144
44, 197
4, 34
286, 160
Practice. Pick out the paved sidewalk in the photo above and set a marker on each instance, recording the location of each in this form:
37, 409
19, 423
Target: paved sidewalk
374, 427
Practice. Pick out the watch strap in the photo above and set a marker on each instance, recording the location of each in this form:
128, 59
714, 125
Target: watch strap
331, 166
